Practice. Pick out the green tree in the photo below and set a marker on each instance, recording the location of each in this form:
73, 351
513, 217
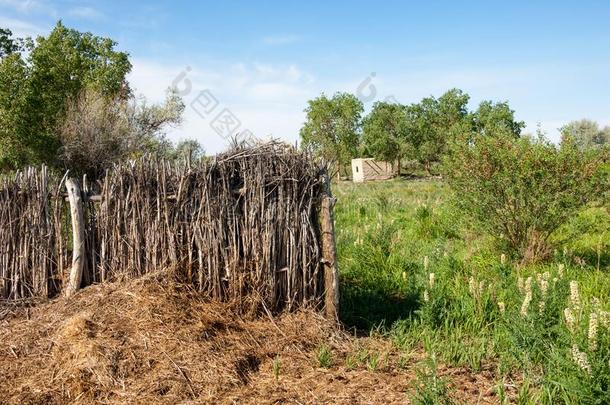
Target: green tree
37, 85
494, 118
189, 149
14, 112
8, 44
586, 134
332, 127
384, 132
433, 122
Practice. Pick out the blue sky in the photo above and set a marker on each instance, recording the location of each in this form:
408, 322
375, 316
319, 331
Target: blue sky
262, 61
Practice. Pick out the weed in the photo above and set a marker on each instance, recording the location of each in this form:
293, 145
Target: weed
276, 367
372, 361
429, 387
351, 362
361, 356
403, 362
325, 357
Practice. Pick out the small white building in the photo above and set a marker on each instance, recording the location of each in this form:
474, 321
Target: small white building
367, 169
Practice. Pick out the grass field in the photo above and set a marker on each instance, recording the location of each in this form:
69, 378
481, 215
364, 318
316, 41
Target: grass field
419, 273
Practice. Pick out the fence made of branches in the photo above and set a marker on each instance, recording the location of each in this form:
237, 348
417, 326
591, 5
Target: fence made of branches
253, 225
31, 249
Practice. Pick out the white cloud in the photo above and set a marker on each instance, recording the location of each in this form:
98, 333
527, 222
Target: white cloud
87, 13
22, 28
22, 6
267, 99
237, 83
152, 79
30, 6
280, 39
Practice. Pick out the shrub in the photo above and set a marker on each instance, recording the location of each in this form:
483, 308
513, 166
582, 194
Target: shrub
521, 190
94, 133
98, 131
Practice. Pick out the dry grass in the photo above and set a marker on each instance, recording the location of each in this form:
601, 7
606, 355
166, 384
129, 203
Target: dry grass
156, 340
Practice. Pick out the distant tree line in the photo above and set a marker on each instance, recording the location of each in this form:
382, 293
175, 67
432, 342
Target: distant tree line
337, 129
65, 101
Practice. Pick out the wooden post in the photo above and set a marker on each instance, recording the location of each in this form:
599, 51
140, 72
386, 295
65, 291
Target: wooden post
78, 236
329, 256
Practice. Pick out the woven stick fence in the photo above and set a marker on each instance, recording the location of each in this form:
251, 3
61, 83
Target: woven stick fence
31, 251
253, 226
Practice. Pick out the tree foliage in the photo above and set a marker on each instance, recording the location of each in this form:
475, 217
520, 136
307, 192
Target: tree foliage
8, 44
392, 132
384, 132
36, 86
332, 127
432, 122
496, 118
189, 149
586, 134
149, 123
94, 133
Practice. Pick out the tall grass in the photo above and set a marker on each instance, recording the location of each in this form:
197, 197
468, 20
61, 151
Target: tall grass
413, 268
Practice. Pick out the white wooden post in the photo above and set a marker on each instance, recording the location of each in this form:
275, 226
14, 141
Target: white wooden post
78, 236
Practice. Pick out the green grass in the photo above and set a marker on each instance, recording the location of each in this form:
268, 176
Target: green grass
385, 232
325, 357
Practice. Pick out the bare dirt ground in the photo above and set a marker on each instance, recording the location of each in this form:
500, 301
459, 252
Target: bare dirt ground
153, 340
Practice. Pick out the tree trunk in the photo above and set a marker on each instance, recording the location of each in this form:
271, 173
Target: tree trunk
329, 256
78, 236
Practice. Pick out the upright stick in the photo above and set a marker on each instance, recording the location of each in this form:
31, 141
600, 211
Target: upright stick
78, 236
329, 255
